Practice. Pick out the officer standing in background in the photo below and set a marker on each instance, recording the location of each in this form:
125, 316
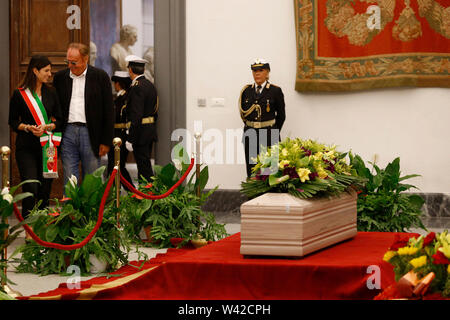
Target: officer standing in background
142, 113
122, 82
262, 110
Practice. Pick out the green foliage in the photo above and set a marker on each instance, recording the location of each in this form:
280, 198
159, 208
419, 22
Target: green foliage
383, 204
4, 296
7, 200
70, 222
177, 216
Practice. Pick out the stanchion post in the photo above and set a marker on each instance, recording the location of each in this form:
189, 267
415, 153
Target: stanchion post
198, 138
117, 142
5, 184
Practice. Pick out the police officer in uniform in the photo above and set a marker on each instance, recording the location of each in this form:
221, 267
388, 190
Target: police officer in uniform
262, 110
122, 82
142, 113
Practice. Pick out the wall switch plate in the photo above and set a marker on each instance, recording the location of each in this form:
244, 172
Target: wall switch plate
201, 102
218, 102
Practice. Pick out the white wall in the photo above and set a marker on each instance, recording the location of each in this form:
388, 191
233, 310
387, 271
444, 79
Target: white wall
224, 36
132, 14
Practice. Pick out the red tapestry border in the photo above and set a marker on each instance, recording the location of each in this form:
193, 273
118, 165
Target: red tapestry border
334, 54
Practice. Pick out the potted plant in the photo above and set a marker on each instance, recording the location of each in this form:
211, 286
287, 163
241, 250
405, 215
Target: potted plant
8, 198
69, 222
178, 216
383, 203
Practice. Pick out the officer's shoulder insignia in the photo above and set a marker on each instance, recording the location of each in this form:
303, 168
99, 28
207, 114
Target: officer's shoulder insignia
245, 87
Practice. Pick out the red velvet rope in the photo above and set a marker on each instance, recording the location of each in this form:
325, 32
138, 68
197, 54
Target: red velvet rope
157, 197
87, 239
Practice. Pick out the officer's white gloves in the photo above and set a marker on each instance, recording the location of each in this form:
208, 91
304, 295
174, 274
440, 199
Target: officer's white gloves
129, 146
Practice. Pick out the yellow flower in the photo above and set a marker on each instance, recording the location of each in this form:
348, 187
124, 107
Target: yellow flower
318, 156
445, 249
303, 174
419, 262
448, 269
322, 173
389, 255
330, 154
405, 251
284, 152
283, 163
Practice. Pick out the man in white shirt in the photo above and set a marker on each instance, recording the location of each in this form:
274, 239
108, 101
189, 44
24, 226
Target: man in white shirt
85, 95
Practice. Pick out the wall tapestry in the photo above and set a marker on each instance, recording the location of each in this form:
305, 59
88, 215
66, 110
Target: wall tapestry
349, 45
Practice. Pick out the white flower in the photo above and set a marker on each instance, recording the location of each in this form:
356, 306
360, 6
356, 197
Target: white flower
177, 164
8, 198
5, 191
73, 181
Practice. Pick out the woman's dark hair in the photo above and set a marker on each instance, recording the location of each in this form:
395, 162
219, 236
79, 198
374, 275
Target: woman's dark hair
29, 80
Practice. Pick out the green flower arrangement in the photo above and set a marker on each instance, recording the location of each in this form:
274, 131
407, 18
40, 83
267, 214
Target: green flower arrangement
302, 168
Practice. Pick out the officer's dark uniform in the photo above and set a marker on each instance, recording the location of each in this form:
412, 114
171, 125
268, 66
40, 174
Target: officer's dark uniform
142, 112
120, 131
263, 116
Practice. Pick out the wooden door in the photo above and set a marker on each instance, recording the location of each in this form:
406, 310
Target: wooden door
44, 27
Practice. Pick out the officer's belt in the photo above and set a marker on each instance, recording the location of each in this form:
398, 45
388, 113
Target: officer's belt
259, 124
148, 120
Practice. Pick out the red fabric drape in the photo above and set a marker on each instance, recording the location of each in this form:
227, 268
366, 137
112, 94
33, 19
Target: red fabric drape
219, 272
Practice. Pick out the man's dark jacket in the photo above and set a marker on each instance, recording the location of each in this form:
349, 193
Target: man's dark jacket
99, 105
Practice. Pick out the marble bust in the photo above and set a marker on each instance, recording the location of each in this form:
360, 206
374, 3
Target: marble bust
92, 54
149, 67
120, 50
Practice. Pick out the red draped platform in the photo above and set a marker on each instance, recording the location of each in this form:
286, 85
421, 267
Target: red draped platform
219, 272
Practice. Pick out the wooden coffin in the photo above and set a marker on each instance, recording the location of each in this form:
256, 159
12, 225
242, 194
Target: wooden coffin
278, 224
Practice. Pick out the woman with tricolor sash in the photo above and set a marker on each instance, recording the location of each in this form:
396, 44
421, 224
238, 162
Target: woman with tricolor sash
35, 115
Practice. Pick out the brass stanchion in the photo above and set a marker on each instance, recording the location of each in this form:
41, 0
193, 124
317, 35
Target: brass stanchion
198, 137
117, 142
5, 184
5, 167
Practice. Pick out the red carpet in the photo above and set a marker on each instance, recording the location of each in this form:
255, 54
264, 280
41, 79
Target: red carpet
219, 272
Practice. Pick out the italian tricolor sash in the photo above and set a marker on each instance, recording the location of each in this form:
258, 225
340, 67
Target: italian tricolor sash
49, 140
